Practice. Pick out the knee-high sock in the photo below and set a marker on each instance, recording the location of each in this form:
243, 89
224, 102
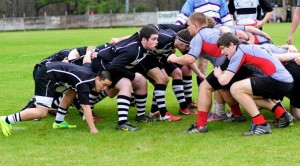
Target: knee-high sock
187, 86
123, 103
154, 107
159, 93
141, 104
177, 86
13, 118
60, 115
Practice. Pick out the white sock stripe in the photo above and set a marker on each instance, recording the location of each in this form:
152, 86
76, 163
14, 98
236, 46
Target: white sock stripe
120, 100
122, 112
140, 100
123, 107
122, 118
161, 105
159, 92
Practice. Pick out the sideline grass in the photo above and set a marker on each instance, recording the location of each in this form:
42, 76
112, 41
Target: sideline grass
161, 143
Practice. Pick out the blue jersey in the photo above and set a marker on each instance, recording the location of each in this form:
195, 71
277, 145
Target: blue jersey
217, 9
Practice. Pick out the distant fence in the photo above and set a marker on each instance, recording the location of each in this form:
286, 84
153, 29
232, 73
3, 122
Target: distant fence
94, 21
86, 21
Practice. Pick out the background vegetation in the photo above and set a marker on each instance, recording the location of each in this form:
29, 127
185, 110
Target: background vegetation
160, 143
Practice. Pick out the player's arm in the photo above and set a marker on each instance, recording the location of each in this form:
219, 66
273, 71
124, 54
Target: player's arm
87, 57
290, 48
89, 118
287, 56
223, 77
183, 60
224, 29
267, 8
194, 67
256, 31
117, 40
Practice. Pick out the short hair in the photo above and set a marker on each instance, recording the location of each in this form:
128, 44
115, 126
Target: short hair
103, 75
226, 39
146, 32
210, 22
184, 36
199, 18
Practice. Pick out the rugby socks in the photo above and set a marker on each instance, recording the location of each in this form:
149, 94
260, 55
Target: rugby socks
132, 98
123, 103
278, 111
220, 109
57, 99
141, 104
259, 120
154, 107
95, 97
177, 86
60, 115
214, 107
13, 118
202, 119
236, 111
187, 86
159, 93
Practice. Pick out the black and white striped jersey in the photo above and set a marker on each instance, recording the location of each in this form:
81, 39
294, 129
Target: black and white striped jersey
248, 8
59, 56
165, 46
80, 79
123, 56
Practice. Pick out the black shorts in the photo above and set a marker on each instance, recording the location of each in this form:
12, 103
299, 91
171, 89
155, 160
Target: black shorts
269, 88
98, 64
148, 63
169, 67
44, 88
242, 73
294, 69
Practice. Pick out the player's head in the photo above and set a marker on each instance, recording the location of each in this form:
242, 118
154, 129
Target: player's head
228, 43
102, 80
210, 22
183, 39
195, 22
148, 36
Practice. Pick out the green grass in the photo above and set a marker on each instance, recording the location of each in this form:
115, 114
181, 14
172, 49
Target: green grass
161, 143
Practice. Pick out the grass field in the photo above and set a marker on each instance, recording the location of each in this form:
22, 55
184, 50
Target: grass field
160, 143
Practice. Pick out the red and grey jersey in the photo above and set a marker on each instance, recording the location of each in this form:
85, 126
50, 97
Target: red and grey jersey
205, 44
260, 61
123, 56
165, 46
80, 79
261, 40
274, 48
57, 57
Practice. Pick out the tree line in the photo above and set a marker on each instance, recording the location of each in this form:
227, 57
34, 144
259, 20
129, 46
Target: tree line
30, 8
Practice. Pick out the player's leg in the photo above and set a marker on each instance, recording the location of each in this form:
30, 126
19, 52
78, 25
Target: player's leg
140, 86
177, 85
64, 104
187, 80
242, 92
123, 86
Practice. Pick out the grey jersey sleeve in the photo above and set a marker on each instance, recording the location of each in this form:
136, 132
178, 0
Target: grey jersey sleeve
196, 46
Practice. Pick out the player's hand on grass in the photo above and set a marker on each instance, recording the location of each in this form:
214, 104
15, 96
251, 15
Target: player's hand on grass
94, 131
